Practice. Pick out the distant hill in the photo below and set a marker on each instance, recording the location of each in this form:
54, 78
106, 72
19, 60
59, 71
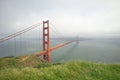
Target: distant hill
30, 67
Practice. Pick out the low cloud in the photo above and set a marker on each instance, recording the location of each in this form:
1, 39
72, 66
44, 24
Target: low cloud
78, 17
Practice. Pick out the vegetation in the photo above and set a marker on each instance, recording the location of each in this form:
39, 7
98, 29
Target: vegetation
20, 61
33, 68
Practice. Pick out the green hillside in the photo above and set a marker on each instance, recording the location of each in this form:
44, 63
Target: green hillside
30, 67
20, 61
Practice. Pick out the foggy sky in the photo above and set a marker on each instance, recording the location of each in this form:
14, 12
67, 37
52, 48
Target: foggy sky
70, 17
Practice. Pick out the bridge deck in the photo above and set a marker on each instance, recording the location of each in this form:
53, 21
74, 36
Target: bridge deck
53, 48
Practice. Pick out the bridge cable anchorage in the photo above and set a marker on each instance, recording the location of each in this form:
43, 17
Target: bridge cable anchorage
19, 33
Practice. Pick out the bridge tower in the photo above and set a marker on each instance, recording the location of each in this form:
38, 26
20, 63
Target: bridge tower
46, 40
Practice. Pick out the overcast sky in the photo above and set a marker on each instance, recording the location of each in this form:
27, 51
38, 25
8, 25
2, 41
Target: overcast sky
70, 17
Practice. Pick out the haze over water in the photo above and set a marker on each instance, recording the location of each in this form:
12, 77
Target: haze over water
98, 20
99, 50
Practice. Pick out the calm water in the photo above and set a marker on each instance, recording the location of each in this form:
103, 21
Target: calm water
99, 50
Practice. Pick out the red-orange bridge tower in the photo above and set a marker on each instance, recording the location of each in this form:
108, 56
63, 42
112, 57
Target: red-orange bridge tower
46, 42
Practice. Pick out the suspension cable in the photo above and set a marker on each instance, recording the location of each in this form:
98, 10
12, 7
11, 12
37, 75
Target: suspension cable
19, 33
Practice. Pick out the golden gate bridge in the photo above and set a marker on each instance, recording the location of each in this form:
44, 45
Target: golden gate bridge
46, 48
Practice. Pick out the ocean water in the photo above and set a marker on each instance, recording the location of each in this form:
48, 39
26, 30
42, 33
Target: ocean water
106, 51
98, 50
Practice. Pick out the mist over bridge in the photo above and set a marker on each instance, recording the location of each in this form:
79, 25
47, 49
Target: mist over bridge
45, 38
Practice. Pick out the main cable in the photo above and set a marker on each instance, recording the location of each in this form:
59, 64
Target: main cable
19, 33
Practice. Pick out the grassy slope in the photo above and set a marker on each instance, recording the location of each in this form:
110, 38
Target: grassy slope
75, 70
20, 61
